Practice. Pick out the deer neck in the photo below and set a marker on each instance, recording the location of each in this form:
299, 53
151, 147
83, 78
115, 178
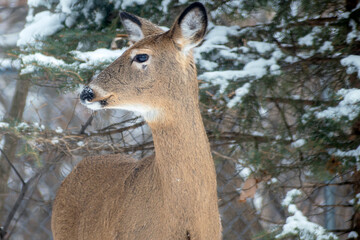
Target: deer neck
182, 153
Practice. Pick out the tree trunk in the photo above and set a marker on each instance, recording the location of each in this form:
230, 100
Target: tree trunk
10, 142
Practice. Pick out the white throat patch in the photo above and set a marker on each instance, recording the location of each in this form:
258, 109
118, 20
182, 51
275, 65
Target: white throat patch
150, 114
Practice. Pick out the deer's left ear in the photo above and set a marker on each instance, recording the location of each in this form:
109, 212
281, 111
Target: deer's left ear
137, 27
190, 27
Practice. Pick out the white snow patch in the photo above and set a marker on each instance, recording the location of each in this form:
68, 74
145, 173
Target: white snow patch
4, 125
99, 17
40, 60
80, 143
66, 5
351, 153
308, 39
97, 57
261, 47
22, 125
239, 94
298, 143
327, 46
129, 3
215, 39
54, 140
256, 68
59, 130
353, 234
290, 196
43, 25
352, 62
354, 34
8, 63
38, 3
245, 172
349, 106
164, 5
298, 225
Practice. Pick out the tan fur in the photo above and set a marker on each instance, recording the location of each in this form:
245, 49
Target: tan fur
171, 195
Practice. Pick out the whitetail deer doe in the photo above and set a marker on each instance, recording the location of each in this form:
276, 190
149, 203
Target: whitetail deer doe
171, 195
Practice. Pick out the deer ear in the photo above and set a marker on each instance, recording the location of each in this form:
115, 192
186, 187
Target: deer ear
132, 25
137, 27
190, 27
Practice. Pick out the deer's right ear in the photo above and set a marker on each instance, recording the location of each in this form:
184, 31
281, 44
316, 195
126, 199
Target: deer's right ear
190, 27
132, 25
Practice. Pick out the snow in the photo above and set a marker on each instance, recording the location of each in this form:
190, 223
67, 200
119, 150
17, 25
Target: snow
54, 140
352, 234
354, 34
273, 180
298, 225
164, 5
290, 195
261, 47
4, 125
350, 153
352, 62
44, 24
41, 60
348, 107
38, 3
71, 20
59, 130
97, 57
8, 63
239, 94
129, 3
256, 68
244, 172
291, 59
66, 5
99, 17
39, 126
327, 46
308, 39
298, 143
22, 125
80, 143
214, 39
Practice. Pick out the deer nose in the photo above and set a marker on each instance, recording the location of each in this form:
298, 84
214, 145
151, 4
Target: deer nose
87, 94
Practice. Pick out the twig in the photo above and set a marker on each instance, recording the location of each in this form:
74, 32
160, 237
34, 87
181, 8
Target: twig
88, 122
13, 167
3, 229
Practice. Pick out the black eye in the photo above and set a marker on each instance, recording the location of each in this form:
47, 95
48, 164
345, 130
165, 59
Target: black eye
140, 58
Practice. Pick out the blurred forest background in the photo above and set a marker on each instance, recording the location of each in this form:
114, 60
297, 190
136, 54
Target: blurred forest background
280, 97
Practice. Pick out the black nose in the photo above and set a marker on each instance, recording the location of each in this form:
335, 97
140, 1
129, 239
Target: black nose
87, 94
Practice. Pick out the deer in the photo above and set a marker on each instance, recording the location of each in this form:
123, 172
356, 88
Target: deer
171, 194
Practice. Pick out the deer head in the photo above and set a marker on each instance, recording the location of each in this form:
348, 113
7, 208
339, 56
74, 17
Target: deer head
156, 72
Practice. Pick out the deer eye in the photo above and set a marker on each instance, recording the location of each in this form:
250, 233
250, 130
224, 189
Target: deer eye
140, 58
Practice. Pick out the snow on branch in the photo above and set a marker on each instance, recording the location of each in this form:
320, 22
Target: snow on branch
297, 225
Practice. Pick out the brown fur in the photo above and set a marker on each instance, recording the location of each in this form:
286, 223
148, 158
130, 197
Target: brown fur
171, 195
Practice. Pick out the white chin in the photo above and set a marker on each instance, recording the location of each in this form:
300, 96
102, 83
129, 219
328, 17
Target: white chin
93, 106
